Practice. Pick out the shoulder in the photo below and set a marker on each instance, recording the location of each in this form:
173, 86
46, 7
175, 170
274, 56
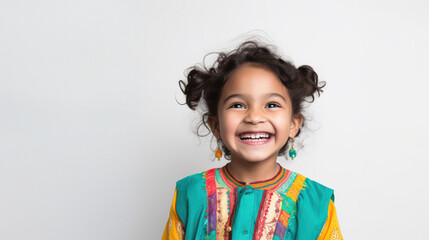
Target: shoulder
192, 182
317, 190
311, 192
193, 186
297, 186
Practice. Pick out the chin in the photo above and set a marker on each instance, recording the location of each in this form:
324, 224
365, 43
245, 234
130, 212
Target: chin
254, 158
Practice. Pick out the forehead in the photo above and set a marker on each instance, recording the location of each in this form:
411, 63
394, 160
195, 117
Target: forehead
253, 81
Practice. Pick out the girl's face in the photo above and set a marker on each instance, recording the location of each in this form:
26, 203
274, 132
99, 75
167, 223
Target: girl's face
254, 115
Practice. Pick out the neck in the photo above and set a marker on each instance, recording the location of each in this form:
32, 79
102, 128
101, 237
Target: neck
249, 172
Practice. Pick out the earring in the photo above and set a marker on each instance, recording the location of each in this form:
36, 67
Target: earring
218, 153
292, 152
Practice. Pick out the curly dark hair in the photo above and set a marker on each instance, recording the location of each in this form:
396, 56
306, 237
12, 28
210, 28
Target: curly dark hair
205, 84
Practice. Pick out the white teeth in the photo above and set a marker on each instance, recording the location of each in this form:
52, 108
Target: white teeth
255, 136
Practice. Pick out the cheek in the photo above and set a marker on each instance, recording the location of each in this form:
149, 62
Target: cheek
282, 124
228, 126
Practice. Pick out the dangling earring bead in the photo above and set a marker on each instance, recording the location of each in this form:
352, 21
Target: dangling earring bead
218, 153
292, 152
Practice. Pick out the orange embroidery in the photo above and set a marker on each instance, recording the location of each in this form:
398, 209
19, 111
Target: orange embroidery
334, 235
284, 217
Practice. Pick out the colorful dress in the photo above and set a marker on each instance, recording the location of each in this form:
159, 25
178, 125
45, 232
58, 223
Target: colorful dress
215, 205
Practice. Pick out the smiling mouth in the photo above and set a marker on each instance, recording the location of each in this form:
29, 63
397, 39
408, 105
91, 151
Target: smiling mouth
254, 137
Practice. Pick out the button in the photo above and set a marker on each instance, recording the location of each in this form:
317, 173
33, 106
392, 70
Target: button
245, 231
228, 229
248, 189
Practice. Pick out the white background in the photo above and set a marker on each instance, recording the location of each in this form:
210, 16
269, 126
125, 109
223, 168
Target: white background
92, 139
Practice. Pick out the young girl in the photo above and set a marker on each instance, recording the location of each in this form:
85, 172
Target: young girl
253, 100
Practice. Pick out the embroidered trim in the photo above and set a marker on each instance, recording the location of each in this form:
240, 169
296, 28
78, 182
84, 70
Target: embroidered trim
267, 221
276, 209
273, 183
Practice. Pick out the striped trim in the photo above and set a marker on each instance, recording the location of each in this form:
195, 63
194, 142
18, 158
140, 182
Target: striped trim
296, 187
220, 181
268, 216
210, 181
273, 183
227, 178
289, 181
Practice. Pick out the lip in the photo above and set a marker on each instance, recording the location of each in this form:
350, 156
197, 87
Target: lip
254, 132
259, 142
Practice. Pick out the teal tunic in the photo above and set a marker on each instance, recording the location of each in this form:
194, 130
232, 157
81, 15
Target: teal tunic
215, 205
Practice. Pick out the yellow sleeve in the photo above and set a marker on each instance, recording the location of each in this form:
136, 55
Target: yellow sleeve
174, 229
331, 229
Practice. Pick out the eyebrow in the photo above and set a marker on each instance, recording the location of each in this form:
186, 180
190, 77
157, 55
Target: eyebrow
242, 96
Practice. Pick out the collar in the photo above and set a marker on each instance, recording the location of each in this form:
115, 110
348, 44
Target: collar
272, 183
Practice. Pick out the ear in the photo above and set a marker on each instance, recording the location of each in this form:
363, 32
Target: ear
214, 126
295, 124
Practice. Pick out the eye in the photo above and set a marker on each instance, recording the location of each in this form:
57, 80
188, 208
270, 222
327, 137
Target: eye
237, 105
272, 105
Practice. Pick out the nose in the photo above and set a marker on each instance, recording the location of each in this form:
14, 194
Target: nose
254, 116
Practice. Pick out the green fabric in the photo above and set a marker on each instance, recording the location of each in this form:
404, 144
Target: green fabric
308, 214
191, 206
311, 211
248, 201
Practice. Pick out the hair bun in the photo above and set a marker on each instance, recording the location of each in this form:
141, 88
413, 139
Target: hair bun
310, 82
195, 88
